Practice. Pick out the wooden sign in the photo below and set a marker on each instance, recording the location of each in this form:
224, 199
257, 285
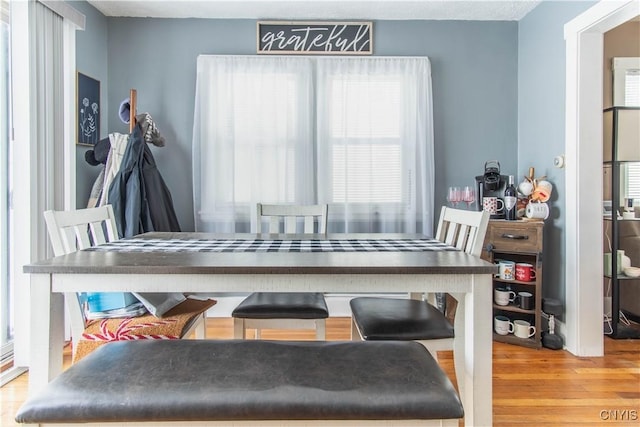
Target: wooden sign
315, 38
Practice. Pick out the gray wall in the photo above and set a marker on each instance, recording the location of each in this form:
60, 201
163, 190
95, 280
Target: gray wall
498, 92
541, 120
474, 80
91, 60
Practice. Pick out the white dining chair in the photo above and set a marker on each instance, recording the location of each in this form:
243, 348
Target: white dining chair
79, 229
285, 310
415, 319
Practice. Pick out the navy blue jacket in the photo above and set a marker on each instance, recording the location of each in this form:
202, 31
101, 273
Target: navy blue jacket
140, 198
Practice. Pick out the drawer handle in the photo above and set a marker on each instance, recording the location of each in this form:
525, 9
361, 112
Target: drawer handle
515, 236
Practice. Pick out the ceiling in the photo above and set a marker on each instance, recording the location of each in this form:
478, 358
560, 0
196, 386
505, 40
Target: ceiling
498, 10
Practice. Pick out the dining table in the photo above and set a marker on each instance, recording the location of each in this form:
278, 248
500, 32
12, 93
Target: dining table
195, 262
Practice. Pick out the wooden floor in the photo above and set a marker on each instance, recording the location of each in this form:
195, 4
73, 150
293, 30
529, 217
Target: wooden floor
530, 387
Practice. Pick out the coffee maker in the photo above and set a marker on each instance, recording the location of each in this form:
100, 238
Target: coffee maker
491, 184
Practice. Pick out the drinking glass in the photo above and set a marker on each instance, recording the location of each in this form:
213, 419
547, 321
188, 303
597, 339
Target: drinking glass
454, 196
469, 195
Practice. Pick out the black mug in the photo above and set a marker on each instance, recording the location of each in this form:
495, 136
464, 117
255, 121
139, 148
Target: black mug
526, 300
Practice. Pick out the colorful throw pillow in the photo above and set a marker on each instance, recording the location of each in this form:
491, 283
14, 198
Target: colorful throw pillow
175, 323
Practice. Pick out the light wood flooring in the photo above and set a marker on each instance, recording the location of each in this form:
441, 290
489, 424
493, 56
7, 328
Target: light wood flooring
530, 387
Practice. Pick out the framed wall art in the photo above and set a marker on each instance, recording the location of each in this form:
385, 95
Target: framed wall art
314, 38
88, 110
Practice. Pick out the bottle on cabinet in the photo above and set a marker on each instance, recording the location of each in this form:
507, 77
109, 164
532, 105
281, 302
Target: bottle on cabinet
510, 200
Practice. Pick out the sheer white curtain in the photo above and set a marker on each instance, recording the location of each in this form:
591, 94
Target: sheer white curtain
355, 133
375, 143
252, 138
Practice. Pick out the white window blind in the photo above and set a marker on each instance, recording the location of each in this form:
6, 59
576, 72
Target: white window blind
632, 87
366, 146
632, 98
372, 172
6, 287
5, 15
633, 181
626, 81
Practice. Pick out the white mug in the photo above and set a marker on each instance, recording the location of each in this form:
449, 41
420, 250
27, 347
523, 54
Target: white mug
542, 191
523, 329
537, 210
503, 296
502, 325
507, 270
526, 187
493, 205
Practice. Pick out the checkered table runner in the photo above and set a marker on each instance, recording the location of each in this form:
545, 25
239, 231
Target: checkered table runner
262, 245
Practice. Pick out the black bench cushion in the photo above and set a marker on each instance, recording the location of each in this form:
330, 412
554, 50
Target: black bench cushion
399, 319
204, 380
282, 305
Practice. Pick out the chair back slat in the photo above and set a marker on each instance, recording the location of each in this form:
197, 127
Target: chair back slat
288, 216
70, 231
462, 229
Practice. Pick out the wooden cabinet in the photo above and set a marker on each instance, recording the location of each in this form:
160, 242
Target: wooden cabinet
521, 242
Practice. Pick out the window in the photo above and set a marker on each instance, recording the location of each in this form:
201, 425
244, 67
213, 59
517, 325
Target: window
626, 82
632, 87
355, 133
252, 136
631, 180
626, 92
263, 139
375, 143
366, 146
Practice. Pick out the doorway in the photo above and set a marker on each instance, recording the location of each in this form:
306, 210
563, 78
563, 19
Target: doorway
583, 131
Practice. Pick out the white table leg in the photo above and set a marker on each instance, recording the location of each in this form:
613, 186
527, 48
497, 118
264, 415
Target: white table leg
478, 345
47, 332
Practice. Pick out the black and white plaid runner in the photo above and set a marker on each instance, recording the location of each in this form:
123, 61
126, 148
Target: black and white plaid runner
261, 245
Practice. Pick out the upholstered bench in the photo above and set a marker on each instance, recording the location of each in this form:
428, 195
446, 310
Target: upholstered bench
238, 382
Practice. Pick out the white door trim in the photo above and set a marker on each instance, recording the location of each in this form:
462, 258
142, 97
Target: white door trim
583, 151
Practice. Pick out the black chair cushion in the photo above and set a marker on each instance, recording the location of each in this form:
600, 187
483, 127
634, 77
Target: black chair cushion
206, 380
399, 319
282, 305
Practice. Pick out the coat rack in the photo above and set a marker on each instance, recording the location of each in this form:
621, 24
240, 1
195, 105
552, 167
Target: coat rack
133, 98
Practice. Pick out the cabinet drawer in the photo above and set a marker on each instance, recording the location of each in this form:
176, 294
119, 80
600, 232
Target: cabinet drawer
515, 237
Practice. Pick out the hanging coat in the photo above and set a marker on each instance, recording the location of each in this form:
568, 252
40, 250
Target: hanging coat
140, 198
